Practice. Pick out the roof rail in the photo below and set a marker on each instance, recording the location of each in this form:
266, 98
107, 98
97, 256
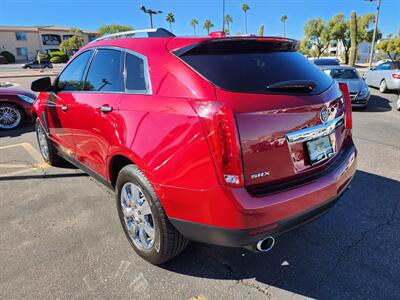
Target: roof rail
152, 32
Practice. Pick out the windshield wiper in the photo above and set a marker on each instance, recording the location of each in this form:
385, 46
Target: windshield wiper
293, 85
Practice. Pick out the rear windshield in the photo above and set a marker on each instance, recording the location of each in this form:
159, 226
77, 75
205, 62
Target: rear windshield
252, 66
326, 62
342, 73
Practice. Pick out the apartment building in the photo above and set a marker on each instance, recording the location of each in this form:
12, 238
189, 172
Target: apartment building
25, 42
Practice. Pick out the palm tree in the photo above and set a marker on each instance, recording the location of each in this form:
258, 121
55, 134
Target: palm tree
193, 23
170, 18
245, 8
228, 19
283, 20
208, 25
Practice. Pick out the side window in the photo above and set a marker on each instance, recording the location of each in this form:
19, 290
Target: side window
105, 72
135, 73
71, 78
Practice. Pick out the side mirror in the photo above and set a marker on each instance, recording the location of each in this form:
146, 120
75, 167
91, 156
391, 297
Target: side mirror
372, 68
41, 85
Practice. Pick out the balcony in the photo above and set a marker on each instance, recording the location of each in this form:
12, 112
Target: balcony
51, 39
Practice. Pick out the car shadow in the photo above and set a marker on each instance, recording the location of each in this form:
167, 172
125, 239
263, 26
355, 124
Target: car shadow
351, 252
376, 104
25, 128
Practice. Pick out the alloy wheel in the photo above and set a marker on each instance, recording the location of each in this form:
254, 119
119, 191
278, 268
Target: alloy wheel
10, 117
43, 145
138, 218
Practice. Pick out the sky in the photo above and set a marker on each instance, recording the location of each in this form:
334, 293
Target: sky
90, 14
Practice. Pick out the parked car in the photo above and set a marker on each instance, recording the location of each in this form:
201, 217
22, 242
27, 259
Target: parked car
15, 107
326, 62
385, 76
38, 65
224, 140
359, 92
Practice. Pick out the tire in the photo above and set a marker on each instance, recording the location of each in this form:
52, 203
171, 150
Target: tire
49, 155
167, 242
11, 116
398, 103
383, 86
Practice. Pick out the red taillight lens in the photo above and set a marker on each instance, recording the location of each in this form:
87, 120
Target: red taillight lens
396, 75
347, 105
220, 126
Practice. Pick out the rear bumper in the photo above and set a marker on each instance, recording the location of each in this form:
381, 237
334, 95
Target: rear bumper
233, 217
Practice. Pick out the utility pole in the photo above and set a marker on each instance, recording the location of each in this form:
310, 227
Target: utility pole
223, 15
371, 55
150, 13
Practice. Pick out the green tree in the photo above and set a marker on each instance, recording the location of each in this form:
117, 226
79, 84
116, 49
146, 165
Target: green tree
228, 20
170, 18
208, 25
194, 23
354, 38
391, 48
283, 20
365, 28
340, 32
261, 30
245, 8
74, 43
317, 33
305, 47
113, 28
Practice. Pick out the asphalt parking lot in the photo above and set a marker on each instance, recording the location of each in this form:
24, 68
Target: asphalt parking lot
60, 235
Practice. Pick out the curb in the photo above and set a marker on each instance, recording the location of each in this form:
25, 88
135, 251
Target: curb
28, 75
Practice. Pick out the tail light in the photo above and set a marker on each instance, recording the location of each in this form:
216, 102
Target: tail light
347, 105
396, 75
220, 127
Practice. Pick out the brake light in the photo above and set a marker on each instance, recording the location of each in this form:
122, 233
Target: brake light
220, 127
396, 75
347, 105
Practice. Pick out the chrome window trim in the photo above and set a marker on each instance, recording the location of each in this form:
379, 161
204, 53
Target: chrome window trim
312, 133
94, 50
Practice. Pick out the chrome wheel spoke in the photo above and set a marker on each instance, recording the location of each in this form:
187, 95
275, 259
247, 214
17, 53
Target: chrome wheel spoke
145, 208
128, 212
149, 230
142, 237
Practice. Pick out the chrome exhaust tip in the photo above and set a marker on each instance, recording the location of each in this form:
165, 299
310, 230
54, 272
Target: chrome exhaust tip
266, 244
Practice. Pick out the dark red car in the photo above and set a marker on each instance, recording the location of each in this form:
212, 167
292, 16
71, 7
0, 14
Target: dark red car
15, 107
223, 140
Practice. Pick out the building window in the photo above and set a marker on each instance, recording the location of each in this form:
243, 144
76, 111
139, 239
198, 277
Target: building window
92, 37
67, 37
21, 36
22, 51
51, 39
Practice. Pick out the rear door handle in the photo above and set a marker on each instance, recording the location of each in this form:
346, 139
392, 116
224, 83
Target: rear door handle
64, 108
106, 109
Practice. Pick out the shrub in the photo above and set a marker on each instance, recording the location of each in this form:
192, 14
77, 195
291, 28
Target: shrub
56, 60
9, 56
42, 57
62, 55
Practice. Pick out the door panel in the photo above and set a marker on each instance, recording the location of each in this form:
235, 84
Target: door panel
92, 128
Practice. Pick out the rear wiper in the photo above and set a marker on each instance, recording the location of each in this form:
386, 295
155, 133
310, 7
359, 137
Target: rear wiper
303, 85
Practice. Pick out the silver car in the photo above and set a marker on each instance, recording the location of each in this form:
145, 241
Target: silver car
385, 76
359, 92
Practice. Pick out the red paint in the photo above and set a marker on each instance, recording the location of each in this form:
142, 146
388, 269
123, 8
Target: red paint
166, 135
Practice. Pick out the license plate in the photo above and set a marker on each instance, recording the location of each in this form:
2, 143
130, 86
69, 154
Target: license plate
320, 149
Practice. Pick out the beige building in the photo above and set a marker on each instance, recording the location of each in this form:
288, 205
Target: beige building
25, 42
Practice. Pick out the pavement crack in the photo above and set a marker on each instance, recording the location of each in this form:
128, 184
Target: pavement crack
355, 244
232, 274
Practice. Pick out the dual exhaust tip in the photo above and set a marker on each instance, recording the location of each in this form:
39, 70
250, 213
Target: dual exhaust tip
266, 244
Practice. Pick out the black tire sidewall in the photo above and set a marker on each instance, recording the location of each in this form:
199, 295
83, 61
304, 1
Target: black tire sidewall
132, 174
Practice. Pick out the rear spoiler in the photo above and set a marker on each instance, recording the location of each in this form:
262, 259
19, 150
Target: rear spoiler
233, 45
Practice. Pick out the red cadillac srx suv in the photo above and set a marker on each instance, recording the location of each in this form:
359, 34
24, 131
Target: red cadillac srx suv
223, 140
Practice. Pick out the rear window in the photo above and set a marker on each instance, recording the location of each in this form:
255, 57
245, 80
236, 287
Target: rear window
342, 73
251, 66
326, 62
